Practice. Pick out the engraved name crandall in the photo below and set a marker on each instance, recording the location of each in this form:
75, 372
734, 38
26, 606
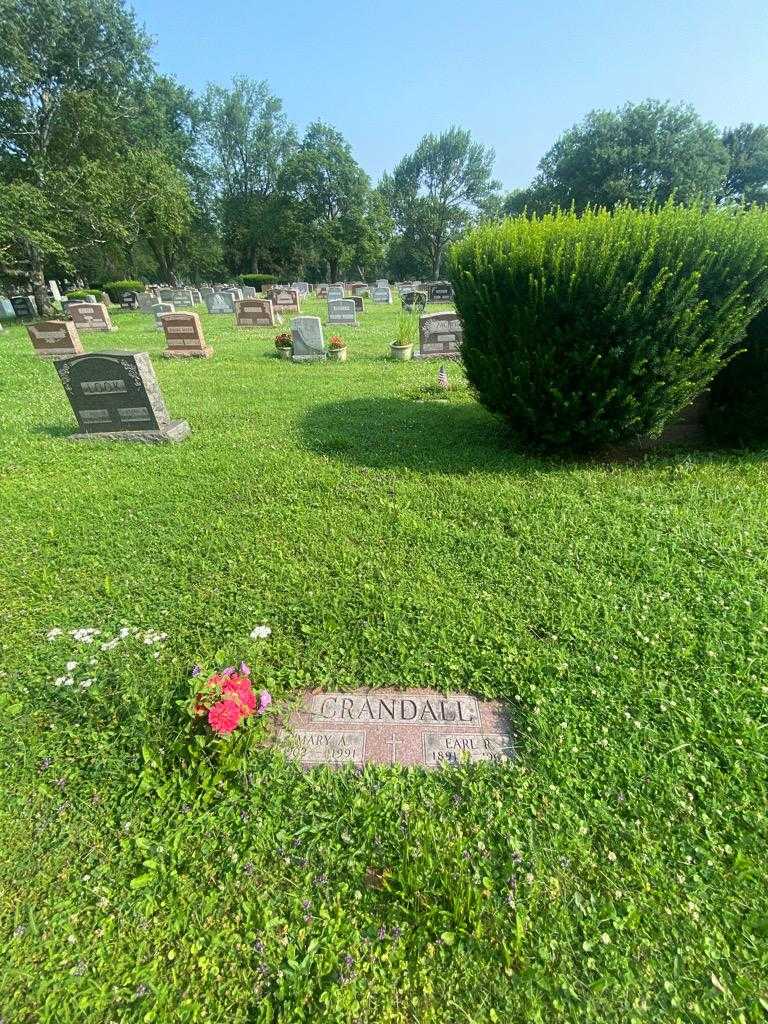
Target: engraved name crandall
417, 727
416, 710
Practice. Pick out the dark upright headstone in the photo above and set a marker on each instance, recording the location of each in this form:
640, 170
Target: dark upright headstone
115, 396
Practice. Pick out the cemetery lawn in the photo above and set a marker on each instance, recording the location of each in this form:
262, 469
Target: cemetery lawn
614, 873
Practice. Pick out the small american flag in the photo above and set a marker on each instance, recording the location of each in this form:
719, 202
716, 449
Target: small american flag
442, 378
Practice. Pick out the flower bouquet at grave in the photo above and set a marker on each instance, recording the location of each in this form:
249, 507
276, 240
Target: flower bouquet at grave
284, 344
337, 349
227, 699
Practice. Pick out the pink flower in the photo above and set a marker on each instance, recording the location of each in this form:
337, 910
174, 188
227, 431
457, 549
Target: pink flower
265, 699
240, 689
245, 670
225, 716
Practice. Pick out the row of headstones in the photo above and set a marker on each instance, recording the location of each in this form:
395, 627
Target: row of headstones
440, 334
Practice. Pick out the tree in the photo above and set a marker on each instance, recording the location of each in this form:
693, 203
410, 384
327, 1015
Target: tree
435, 193
248, 140
640, 154
747, 178
67, 70
333, 194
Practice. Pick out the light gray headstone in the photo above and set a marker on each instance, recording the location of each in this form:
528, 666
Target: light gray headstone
6, 308
220, 302
335, 292
382, 295
342, 311
160, 309
307, 337
249, 292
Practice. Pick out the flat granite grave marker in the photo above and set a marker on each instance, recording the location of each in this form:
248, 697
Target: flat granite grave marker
91, 316
255, 313
184, 338
342, 311
412, 727
55, 339
307, 338
23, 305
115, 397
440, 336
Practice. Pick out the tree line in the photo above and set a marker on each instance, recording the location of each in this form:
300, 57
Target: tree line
110, 169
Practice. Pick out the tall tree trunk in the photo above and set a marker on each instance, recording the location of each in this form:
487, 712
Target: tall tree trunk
254, 262
37, 281
333, 269
436, 261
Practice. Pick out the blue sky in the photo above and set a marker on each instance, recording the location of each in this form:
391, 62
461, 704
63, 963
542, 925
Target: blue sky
516, 74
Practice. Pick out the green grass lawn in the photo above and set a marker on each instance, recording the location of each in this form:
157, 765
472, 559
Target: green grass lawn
615, 872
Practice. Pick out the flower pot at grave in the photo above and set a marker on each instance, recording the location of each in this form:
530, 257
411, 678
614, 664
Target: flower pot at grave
285, 352
338, 355
401, 352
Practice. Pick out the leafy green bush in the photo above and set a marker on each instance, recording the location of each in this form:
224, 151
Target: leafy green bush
594, 329
738, 409
78, 293
115, 289
257, 280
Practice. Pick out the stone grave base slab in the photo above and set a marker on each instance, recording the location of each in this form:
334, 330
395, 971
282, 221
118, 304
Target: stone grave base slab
309, 359
172, 433
421, 728
182, 353
450, 356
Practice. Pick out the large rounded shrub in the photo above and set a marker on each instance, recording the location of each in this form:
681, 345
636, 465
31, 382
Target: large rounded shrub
595, 329
115, 289
258, 280
738, 408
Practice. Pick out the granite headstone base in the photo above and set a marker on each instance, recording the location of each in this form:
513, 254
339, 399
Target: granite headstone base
171, 433
180, 353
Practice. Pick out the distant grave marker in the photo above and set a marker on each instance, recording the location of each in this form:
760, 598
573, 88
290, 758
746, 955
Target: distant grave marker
160, 309
220, 302
413, 727
413, 300
441, 291
90, 316
342, 311
335, 292
255, 313
381, 295
184, 338
115, 396
55, 339
440, 336
285, 300
23, 306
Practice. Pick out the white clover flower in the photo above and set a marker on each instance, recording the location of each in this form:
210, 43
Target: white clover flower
86, 683
53, 633
110, 645
63, 681
124, 631
261, 633
71, 666
85, 635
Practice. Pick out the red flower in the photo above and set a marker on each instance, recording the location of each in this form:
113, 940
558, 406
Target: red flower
239, 688
225, 716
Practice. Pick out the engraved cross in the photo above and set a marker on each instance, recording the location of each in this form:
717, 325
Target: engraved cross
393, 741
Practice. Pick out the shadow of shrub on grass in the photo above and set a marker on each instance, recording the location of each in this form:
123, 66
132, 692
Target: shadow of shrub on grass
429, 436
